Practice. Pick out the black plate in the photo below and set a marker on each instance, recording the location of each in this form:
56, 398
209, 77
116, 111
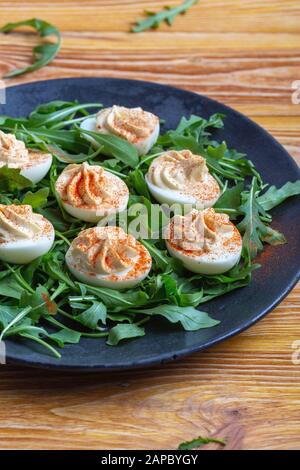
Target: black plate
237, 310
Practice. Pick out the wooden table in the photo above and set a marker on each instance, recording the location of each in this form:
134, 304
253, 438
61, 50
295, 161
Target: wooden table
247, 54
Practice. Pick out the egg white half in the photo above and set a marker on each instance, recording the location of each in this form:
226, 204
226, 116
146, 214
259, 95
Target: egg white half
168, 196
93, 215
205, 264
37, 171
25, 251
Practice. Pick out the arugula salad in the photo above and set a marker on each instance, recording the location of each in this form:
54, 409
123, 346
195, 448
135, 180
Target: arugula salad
90, 207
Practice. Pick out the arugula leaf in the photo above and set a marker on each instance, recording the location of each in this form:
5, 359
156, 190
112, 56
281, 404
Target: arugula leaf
161, 258
39, 117
230, 201
199, 442
66, 157
190, 318
68, 140
124, 331
11, 179
168, 15
10, 123
114, 146
37, 199
177, 292
254, 229
91, 317
7, 314
12, 317
65, 336
55, 217
275, 196
137, 181
52, 106
197, 125
9, 287
40, 302
42, 53
117, 301
36, 334
30, 269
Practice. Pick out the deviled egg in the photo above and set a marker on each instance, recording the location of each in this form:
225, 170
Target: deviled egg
88, 192
205, 241
24, 235
182, 177
34, 165
135, 125
108, 257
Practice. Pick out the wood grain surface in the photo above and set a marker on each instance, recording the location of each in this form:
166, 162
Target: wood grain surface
246, 390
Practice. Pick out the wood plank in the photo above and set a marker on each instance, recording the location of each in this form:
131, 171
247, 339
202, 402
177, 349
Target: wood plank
271, 16
164, 41
261, 81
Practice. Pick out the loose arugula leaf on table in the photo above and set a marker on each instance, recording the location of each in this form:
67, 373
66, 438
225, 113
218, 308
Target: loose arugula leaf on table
168, 16
199, 442
42, 53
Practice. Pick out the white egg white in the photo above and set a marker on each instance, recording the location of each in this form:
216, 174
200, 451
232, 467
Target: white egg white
205, 264
92, 215
89, 124
169, 196
37, 171
25, 251
145, 145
